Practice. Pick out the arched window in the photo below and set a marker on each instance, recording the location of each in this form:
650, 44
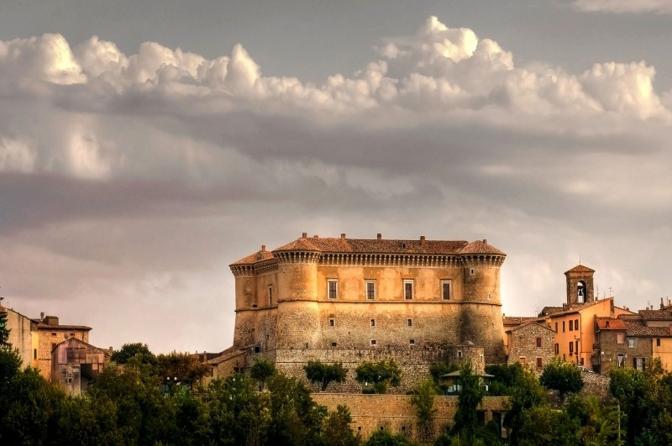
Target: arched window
580, 292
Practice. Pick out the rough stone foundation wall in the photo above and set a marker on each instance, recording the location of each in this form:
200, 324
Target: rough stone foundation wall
395, 413
414, 363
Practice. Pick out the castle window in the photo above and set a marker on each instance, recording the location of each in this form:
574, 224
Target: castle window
333, 344
459, 354
409, 322
332, 322
472, 271
372, 342
408, 289
411, 342
370, 289
538, 342
270, 295
34, 353
446, 289
257, 349
332, 288
373, 322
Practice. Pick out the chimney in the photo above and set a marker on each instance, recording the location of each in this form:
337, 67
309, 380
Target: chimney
304, 235
42, 315
263, 248
662, 305
422, 239
485, 241
316, 236
379, 236
342, 235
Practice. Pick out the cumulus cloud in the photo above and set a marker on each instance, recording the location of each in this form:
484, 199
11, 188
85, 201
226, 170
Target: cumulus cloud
129, 181
625, 6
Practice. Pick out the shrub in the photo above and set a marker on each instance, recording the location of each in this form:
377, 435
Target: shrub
561, 376
379, 375
323, 374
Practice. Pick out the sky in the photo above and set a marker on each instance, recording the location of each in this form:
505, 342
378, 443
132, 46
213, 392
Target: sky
146, 145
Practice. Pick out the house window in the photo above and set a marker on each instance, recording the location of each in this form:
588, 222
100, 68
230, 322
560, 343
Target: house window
538, 342
620, 360
540, 363
571, 325
446, 289
411, 342
370, 289
34, 353
408, 289
557, 348
576, 324
631, 342
332, 288
372, 342
409, 322
571, 347
657, 342
576, 347
556, 327
563, 326
373, 322
332, 322
620, 338
522, 360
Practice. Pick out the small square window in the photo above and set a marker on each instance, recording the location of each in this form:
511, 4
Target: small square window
373, 322
332, 322
373, 342
370, 289
332, 288
409, 322
408, 289
411, 342
333, 344
472, 271
446, 289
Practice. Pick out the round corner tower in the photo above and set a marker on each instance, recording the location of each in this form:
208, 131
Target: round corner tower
298, 325
481, 313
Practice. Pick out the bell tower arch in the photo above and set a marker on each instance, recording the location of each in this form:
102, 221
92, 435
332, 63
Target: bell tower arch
580, 288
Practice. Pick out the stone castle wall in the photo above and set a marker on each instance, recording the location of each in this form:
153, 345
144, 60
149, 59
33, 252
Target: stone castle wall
395, 413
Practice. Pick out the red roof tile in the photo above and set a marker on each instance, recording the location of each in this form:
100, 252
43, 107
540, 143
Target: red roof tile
607, 323
254, 258
580, 269
480, 247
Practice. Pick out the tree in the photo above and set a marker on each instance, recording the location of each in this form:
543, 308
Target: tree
561, 376
385, 438
337, 431
423, 402
379, 375
471, 394
262, 370
597, 420
525, 393
137, 354
543, 426
183, 368
438, 369
323, 374
4, 331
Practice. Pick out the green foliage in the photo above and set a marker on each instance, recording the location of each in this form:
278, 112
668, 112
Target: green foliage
471, 394
525, 394
385, 438
337, 431
323, 374
543, 426
597, 421
505, 378
377, 376
423, 402
135, 354
438, 369
562, 376
10, 364
262, 370
4, 331
183, 368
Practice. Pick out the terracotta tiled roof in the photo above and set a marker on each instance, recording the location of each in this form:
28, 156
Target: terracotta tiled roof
347, 245
569, 309
607, 323
546, 311
480, 247
527, 324
640, 330
517, 320
254, 258
42, 325
656, 315
580, 269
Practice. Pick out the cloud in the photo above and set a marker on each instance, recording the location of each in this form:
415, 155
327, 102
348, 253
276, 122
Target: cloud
129, 181
625, 6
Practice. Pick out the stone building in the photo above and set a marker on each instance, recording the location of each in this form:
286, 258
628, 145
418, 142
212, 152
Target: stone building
530, 344
48, 333
20, 334
349, 300
75, 364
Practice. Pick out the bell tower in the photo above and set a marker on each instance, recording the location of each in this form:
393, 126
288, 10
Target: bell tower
580, 288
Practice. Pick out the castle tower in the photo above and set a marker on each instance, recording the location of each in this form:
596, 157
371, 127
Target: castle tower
580, 285
298, 323
481, 314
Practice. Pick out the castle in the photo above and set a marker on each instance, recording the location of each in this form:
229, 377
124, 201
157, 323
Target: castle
348, 300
